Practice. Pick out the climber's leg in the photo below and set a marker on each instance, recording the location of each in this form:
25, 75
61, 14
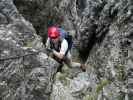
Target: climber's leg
72, 64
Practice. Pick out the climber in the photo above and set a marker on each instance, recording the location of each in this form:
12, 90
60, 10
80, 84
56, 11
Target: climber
59, 45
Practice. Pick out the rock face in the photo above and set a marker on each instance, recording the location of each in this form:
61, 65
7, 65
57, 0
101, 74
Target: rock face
103, 31
26, 72
110, 54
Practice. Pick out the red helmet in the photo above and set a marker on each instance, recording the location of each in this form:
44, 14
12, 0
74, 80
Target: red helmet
53, 32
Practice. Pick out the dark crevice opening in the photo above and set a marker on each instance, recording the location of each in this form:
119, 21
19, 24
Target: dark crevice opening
85, 53
39, 14
80, 5
31, 11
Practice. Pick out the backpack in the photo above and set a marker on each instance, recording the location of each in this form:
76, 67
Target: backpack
67, 37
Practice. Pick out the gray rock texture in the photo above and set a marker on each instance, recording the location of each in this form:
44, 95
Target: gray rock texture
102, 31
26, 72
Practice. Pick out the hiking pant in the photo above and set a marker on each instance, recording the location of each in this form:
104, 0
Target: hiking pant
70, 63
67, 60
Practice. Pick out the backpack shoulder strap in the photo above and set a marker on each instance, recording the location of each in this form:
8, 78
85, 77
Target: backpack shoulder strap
70, 43
63, 33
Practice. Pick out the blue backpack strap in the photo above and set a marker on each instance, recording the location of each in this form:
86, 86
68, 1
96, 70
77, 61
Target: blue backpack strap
62, 32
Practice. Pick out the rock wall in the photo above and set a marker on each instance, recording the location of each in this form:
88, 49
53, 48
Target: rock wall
26, 72
110, 56
102, 30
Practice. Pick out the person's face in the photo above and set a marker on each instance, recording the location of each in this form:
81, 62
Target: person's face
55, 40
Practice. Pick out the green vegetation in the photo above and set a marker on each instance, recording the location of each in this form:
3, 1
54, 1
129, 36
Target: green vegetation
28, 43
121, 97
89, 97
120, 72
101, 84
62, 78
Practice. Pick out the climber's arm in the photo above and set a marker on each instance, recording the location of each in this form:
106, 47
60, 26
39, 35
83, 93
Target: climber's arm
58, 54
61, 54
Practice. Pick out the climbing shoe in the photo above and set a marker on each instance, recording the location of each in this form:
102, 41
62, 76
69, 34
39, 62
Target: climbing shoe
83, 67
